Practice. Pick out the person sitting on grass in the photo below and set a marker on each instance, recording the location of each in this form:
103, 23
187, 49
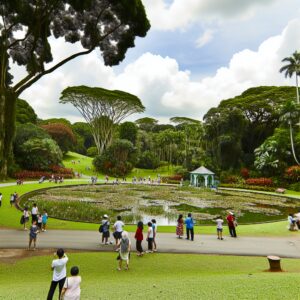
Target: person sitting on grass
219, 222
124, 250
33, 235
71, 289
139, 238
292, 223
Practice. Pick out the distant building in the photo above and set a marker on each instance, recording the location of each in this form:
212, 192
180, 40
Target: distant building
202, 177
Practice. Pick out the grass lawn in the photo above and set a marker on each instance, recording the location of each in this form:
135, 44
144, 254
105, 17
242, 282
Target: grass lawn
156, 276
85, 167
10, 217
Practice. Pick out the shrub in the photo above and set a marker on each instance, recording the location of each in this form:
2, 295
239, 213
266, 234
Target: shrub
183, 172
92, 151
171, 179
259, 181
245, 173
61, 170
148, 160
295, 187
231, 179
26, 174
292, 173
248, 187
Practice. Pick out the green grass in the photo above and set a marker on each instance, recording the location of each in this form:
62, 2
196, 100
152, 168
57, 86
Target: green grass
159, 276
85, 167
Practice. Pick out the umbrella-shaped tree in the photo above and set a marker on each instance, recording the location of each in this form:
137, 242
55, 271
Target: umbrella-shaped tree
102, 109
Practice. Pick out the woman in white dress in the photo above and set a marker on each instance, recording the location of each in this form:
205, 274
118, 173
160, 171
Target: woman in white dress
71, 289
124, 252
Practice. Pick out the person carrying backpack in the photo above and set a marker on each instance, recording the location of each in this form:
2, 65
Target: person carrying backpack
104, 229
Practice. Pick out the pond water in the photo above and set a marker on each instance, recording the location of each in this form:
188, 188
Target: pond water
164, 203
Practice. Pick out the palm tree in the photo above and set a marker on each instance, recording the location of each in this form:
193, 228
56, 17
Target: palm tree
292, 67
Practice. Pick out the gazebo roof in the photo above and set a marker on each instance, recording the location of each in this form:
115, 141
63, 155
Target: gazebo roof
203, 171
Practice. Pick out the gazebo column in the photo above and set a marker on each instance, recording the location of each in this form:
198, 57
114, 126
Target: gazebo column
205, 179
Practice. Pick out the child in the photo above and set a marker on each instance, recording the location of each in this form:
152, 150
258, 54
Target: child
150, 238
154, 226
124, 251
139, 238
44, 220
32, 235
71, 289
219, 222
39, 222
25, 217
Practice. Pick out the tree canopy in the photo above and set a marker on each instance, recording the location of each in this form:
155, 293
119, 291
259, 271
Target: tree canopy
27, 28
102, 109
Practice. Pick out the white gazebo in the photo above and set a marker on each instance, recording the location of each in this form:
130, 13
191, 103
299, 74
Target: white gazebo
202, 177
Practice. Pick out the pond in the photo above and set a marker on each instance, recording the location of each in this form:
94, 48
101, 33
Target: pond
164, 203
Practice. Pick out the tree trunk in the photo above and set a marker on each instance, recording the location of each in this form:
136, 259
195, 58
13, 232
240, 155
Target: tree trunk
297, 89
292, 143
7, 129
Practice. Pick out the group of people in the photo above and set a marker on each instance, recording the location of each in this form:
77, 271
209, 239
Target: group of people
189, 223
294, 221
69, 287
144, 180
38, 223
53, 178
12, 199
122, 240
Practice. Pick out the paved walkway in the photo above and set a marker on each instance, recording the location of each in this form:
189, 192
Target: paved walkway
205, 244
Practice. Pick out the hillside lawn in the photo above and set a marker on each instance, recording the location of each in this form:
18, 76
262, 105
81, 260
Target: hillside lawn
83, 165
156, 276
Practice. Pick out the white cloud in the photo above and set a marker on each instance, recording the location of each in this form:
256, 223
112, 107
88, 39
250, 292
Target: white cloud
205, 38
181, 13
164, 89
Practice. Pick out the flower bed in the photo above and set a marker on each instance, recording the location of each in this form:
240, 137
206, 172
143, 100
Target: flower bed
25, 174
259, 181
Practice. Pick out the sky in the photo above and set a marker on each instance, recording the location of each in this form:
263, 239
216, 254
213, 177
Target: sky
197, 53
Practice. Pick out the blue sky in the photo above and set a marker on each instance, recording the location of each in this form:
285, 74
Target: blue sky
242, 45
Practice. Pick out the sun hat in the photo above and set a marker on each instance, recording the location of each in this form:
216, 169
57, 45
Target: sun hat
105, 216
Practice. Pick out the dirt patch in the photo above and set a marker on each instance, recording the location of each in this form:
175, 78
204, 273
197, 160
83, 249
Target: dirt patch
11, 256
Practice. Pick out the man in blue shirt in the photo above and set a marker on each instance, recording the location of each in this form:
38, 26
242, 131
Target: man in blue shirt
189, 222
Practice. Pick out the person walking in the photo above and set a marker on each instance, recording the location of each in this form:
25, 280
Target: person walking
189, 224
139, 238
231, 221
150, 238
11, 200
219, 222
105, 230
59, 272
179, 227
1, 199
118, 229
154, 226
33, 235
124, 250
71, 289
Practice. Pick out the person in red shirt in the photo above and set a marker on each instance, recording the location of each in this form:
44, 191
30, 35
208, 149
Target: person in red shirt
231, 224
139, 238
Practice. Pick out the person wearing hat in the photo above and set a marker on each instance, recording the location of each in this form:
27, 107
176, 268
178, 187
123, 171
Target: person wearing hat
231, 224
105, 229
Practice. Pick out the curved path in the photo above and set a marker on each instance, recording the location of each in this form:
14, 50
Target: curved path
167, 242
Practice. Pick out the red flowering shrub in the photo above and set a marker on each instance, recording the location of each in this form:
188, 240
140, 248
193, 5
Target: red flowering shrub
245, 173
292, 173
259, 181
61, 170
171, 179
25, 174
230, 179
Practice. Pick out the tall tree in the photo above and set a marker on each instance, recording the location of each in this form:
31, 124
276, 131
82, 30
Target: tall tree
102, 109
26, 29
292, 67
